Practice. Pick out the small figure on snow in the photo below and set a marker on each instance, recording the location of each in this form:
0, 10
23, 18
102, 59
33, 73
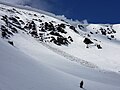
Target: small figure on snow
81, 84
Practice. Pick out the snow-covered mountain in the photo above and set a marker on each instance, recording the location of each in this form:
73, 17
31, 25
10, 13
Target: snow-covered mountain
42, 51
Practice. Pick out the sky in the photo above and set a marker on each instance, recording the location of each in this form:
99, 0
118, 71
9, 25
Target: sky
95, 11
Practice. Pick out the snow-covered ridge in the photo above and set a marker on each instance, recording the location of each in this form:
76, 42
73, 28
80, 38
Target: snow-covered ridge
92, 43
60, 17
40, 45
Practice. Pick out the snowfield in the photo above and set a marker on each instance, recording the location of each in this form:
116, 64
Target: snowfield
41, 51
48, 72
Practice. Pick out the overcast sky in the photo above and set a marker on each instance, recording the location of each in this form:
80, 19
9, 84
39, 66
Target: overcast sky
95, 11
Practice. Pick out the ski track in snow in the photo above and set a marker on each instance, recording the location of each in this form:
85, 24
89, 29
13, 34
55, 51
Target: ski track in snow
68, 56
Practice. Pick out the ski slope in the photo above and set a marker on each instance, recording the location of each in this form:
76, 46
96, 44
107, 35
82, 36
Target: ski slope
48, 72
31, 64
102, 58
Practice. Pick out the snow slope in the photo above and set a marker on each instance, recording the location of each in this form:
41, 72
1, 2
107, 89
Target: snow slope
62, 35
35, 63
49, 72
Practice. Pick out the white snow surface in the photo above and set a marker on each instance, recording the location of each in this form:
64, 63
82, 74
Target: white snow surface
31, 65
48, 71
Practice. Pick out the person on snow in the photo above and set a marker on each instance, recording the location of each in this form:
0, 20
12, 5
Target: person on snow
81, 84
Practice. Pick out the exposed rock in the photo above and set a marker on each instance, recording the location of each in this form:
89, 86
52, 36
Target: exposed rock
87, 41
99, 47
14, 20
73, 28
11, 43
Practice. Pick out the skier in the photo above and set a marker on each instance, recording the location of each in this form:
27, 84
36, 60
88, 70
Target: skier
81, 84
